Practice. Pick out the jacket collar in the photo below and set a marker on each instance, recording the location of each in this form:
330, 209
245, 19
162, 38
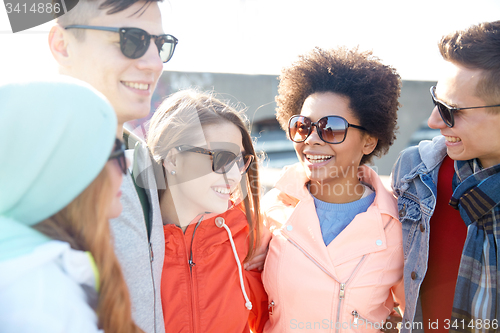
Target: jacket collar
232, 215
302, 225
432, 152
78, 266
293, 183
384, 199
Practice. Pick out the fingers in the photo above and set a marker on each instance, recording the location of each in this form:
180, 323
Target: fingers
394, 319
257, 262
251, 267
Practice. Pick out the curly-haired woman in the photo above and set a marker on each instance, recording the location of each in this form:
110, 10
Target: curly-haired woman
335, 261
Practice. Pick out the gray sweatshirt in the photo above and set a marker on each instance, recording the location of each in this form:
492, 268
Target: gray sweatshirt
141, 259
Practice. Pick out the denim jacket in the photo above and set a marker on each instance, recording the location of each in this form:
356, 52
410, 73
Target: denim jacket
414, 182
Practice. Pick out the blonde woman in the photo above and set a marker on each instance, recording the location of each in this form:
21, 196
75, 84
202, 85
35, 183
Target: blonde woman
210, 211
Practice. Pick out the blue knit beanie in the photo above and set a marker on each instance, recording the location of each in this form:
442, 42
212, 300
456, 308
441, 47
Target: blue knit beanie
55, 137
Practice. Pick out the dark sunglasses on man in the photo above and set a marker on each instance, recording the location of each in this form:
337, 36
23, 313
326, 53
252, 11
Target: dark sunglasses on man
134, 42
222, 160
119, 153
330, 129
446, 111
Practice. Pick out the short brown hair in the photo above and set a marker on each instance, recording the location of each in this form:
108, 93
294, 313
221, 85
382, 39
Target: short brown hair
372, 89
477, 47
86, 9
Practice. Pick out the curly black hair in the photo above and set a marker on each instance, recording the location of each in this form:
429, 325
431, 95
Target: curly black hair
372, 88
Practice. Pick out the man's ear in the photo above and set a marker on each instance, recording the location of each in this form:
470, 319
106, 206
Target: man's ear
58, 43
170, 161
370, 144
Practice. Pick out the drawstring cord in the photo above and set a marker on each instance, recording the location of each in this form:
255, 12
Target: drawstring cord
219, 222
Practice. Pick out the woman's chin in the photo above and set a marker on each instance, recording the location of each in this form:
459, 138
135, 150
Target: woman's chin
218, 208
317, 175
115, 211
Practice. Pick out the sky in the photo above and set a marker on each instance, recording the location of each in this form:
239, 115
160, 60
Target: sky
262, 36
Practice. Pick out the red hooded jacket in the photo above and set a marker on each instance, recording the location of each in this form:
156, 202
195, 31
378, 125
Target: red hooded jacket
201, 289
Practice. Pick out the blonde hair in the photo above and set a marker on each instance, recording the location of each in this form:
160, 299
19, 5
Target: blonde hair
84, 225
174, 124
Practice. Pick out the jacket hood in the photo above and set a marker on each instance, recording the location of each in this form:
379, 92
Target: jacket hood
58, 134
293, 183
78, 265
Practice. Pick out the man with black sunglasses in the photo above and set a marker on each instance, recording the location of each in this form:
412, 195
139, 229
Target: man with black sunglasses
119, 47
449, 193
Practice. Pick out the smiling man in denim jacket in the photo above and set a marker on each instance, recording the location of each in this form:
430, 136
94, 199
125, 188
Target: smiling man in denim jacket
451, 186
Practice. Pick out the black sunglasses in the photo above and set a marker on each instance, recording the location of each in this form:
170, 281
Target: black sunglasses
119, 153
134, 42
222, 160
330, 129
446, 111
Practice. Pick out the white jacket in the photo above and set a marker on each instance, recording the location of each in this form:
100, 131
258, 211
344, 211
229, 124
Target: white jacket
49, 290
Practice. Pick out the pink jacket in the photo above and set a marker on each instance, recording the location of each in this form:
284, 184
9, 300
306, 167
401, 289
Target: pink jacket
347, 286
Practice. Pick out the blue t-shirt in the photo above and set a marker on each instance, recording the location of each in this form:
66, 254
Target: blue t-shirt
333, 218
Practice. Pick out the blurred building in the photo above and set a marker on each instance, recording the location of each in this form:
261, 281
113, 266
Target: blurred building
256, 93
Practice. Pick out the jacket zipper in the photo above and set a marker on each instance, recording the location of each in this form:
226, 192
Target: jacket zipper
151, 254
342, 292
152, 258
342, 285
270, 308
358, 318
190, 261
341, 297
191, 264
149, 227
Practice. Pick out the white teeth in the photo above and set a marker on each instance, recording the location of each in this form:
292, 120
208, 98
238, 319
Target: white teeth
222, 190
135, 85
452, 139
318, 158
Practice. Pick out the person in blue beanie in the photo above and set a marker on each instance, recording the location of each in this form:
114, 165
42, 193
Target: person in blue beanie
60, 178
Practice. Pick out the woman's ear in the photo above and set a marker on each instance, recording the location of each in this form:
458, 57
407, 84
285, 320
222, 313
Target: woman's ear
171, 160
370, 144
